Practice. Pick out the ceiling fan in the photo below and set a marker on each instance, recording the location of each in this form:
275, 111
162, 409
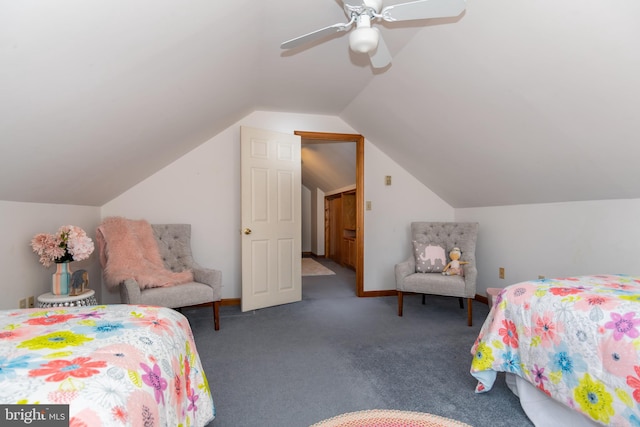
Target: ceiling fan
366, 39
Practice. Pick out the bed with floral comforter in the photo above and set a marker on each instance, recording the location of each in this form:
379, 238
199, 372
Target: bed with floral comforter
115, 365
576, 339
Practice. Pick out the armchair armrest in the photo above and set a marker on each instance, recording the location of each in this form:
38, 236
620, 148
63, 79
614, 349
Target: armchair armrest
130, 292
209, 276
404, 269
470, 276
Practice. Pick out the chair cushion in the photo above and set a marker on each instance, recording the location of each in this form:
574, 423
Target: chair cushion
435, 284
430, 258
183, 295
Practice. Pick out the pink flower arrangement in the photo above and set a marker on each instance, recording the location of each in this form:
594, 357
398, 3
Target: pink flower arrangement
70, 243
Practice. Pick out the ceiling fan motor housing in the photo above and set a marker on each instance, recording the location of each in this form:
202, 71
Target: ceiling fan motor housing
374, 4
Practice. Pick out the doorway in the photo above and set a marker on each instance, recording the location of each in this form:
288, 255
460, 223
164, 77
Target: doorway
358, 238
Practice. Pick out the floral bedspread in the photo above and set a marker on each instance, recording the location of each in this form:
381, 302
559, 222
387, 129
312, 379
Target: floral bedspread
115, 365
576, 339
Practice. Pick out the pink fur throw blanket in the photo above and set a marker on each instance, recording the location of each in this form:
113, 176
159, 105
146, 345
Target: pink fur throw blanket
128, 250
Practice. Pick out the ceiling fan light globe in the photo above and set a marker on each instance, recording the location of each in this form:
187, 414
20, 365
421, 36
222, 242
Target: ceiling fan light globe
363, 40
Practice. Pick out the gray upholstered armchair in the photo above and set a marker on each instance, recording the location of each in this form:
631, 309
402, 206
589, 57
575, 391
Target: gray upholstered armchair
174, 243
446, 235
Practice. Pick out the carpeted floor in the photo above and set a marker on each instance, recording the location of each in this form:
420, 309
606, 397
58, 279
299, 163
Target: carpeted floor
298, 364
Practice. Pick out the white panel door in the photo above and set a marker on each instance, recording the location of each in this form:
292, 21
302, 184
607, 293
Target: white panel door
271, 218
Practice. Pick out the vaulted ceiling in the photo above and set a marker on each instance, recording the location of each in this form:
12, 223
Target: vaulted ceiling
514, 101
329, 166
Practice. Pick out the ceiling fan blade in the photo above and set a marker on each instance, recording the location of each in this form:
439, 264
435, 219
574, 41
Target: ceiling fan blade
380, 57
423, 9
315, 35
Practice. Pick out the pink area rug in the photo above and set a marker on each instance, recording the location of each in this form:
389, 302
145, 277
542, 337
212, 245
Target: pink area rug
311, 267
389, 418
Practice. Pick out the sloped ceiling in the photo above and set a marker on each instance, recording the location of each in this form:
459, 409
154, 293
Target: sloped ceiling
515, 101
329, 166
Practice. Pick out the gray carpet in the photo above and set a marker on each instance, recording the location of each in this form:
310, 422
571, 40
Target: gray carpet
297, 364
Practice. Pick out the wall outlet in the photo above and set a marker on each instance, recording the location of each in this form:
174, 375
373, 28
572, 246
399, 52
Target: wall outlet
368, 204
32, 301
22, 303
501, 272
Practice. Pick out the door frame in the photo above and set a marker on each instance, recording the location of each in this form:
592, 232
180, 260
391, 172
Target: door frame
359, 140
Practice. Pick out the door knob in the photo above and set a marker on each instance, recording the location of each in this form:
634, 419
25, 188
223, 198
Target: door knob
247, 231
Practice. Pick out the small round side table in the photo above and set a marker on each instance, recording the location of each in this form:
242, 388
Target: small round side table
51, 300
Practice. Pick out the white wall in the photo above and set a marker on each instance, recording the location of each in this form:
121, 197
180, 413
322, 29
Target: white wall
387, 238
317, 215
203, 189
316, 222
23, 274
306, 219
556, 239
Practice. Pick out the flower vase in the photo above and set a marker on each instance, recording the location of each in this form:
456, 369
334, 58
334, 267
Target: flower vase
60, 279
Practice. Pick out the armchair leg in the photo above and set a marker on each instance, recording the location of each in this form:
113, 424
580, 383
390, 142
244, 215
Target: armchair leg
216, 315
461, 303
400, 303
469, 312
423, 298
